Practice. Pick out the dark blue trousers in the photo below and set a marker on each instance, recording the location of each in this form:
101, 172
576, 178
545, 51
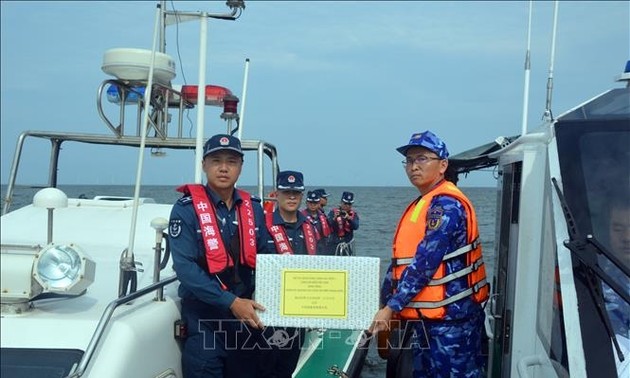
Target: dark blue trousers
217, 345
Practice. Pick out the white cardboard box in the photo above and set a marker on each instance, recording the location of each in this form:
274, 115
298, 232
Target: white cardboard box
338, 292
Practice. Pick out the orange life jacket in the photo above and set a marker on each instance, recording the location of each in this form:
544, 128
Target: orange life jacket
431, 301
280, 238
217, 256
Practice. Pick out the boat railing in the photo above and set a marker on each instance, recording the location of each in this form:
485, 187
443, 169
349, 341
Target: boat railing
262, 148
105, 320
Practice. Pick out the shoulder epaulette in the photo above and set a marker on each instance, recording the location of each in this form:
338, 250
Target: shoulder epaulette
185, 200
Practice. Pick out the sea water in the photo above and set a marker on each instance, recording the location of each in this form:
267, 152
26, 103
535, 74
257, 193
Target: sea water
379, 210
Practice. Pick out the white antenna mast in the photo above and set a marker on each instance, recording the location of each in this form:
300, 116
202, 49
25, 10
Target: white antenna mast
127, 259
242, 116
548, 116
528, 67
201, 94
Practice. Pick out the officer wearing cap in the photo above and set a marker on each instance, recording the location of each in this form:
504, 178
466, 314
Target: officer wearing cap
314, 214
437, 236
291, 233
323, 198
344, 222
215, 265
325, 241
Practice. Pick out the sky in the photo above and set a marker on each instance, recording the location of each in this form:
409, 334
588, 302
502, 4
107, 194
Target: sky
336, 86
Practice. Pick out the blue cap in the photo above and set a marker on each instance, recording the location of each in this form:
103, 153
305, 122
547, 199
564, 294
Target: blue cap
321, 192
312, 196
427, 140
221, 142
290, 180
347, 197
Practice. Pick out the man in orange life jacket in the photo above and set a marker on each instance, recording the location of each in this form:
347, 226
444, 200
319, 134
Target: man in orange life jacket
215, 232
344, 221
291, 233
437, 278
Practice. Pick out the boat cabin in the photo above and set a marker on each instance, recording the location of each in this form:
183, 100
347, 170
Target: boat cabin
560, 292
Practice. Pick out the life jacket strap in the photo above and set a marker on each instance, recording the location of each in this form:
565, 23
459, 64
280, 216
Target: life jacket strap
465, 249
458, 252
459, 274
401, 261
447, 301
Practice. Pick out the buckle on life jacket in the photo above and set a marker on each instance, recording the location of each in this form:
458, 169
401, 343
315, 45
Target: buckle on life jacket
475, 243
477, 264
479, 285
398, 261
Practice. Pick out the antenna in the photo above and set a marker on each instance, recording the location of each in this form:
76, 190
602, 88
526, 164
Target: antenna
528, 67
201, 93
548, 116
127, 263
242, 117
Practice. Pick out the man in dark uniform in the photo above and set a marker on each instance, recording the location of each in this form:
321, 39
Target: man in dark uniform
215, 265
437, 278
319, 219
323, 198
344, 221
291, 233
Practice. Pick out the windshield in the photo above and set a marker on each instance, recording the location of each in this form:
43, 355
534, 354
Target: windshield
595, 166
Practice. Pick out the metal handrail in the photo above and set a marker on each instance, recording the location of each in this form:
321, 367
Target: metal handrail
57, 138
105, 318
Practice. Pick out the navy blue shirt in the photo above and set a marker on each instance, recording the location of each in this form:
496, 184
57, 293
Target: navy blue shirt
189, 254
294, 233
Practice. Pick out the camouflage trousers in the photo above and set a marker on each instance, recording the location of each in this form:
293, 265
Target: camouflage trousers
448, 349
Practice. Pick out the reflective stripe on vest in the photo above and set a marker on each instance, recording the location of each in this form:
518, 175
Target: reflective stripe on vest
217, 257
282, 242
433, 305
455, 253
430, 302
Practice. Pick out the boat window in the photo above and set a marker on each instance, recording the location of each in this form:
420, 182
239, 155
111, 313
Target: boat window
595, 169
49, 363
605, 158
550, 322
550, 325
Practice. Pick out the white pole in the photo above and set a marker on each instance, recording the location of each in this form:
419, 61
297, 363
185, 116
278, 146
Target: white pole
242, 112
548, 115
143, 138
527, 72
201, 95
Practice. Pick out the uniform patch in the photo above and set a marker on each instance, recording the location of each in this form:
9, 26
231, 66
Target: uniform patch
185, 200
175, 227
434, 219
